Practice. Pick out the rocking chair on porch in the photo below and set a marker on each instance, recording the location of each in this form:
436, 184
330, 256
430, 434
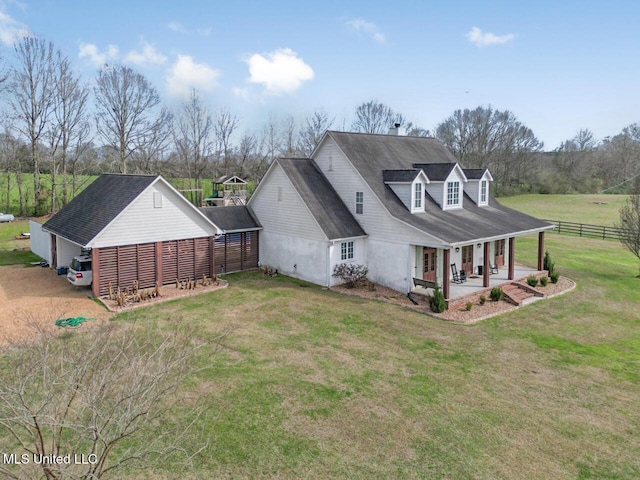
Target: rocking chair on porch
458, 277
494, 269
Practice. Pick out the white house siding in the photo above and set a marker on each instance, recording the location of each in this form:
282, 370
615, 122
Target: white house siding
291, 240
360, 246
40, 241
435, 191
390, 264
472, 188
298, 257
403, 191
141, 222
375, 220
65, 251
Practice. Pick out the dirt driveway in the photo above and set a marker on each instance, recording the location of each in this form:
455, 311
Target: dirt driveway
37, 295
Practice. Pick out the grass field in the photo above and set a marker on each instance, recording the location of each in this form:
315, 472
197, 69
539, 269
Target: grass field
11, 250
590, 209
82, 182
313, 384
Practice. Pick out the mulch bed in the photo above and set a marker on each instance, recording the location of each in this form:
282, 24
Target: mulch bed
457, 310
167, 292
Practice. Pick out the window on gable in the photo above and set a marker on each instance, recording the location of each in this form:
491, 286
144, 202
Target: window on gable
346, 251
483, 191
453, 193
359, 202
417, 200
279, 194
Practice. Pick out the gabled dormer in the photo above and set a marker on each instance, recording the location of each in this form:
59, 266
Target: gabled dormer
478, 185
445, 183
409, 186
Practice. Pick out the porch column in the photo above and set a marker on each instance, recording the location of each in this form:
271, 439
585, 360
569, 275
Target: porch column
540, 251
95, 266
446, 259
485, 267
512, 258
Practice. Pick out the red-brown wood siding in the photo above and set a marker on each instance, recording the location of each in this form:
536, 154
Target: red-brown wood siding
164, 262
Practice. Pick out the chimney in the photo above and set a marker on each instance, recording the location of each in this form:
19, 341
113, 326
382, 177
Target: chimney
395, 130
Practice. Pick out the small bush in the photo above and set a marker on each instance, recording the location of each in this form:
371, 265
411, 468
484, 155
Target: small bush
468, 306
350, 273
548, 265
437, 301
532, 280
544, 281
483, 299
554, 277
496, 294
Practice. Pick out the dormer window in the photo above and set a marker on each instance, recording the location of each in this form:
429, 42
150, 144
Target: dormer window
484, 189
417, 199
453, 194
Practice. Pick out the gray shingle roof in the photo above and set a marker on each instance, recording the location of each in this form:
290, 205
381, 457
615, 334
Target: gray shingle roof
232, 218
96, 206
333, 216
371, 154
403, 176
474, 173
436, 172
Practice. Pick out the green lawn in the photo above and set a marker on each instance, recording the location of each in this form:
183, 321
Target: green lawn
12, 251
591, 209
312, 384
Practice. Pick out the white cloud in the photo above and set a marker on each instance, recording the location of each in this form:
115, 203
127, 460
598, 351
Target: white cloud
280, 71
147, 56
186, 74
11, 30
176, 27
90, 51
480, 39
362, 25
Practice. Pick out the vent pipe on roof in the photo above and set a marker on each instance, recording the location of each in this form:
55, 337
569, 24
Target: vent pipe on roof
395, 130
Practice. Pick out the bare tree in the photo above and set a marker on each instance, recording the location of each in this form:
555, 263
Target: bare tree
32, 98
630, 222
314, 127
485, 137
126, 106
101, 398
375, 117
153, 144
289, 148
225, 124
193, 137
71, 122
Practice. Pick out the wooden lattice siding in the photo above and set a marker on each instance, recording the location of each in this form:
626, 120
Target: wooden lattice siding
236, 251
169, 261
179, 259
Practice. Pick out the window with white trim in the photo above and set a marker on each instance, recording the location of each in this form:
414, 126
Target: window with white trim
346, 251
417, 200
483, 191
359, 202
453, 193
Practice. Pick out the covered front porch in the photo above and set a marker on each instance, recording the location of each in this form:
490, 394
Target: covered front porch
485, 265
475, 283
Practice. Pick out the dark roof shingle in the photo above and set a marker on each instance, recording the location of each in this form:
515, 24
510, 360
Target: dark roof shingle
371, 154
232, 218
333, 216
96, 206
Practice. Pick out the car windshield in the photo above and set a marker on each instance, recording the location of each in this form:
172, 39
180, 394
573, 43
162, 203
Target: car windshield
80, 266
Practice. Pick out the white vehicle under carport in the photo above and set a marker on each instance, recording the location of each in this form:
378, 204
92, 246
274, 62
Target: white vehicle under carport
79, 272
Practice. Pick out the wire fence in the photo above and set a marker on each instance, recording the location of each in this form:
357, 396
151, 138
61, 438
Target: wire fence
601, 232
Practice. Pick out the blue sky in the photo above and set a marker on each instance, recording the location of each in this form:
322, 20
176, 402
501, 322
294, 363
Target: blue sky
558, 65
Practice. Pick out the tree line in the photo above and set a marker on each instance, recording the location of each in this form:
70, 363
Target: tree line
59, 125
